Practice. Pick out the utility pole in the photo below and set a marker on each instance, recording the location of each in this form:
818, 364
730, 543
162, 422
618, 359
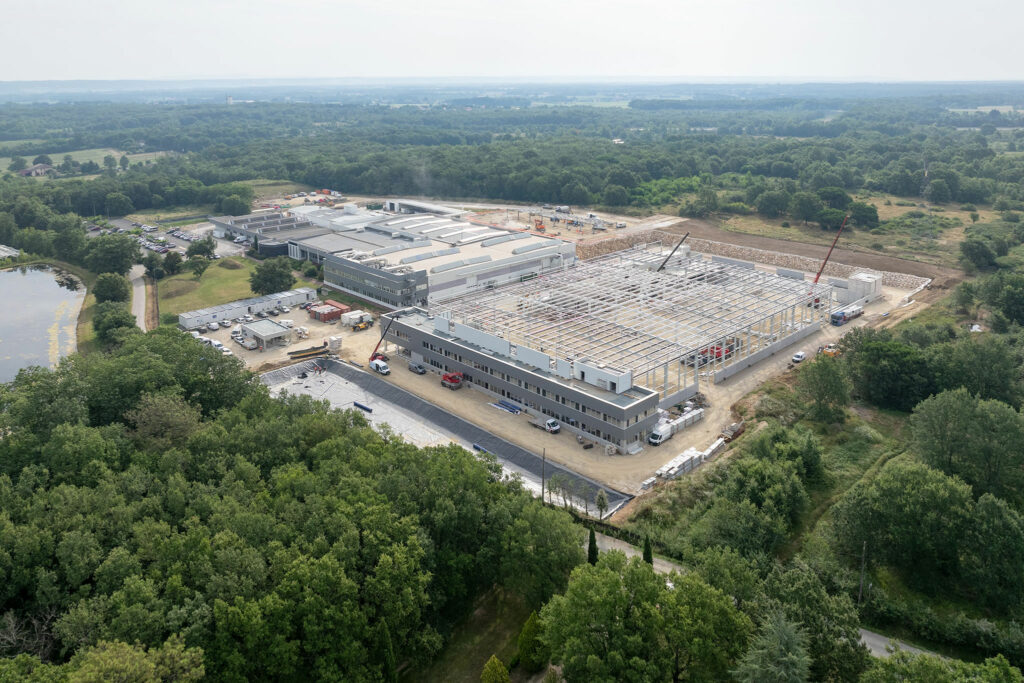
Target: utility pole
863, 555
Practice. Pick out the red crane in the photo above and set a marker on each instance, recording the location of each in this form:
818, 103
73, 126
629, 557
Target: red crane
828, 256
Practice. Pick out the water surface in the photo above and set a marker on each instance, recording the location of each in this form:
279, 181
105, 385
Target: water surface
38, 314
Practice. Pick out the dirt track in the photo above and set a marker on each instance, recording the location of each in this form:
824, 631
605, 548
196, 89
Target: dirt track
943, 276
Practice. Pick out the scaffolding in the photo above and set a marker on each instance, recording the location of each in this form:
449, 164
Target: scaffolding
695, 317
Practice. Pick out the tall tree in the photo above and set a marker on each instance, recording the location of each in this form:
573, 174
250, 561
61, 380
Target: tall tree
198, 266
111, 287
830, 621
778, 653
494, 671
703, 632
822, 383
648, 553
606, 626
272, 275
204, 247
804, 206
532, 654
111, 254
172, 263
592, 552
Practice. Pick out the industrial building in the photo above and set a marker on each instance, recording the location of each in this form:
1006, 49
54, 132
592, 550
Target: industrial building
424, 252
400, 261
603, 344
194, 319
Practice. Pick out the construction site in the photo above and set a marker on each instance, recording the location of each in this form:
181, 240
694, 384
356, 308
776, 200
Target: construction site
635, 353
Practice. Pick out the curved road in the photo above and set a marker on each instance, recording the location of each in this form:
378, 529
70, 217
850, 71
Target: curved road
136, 275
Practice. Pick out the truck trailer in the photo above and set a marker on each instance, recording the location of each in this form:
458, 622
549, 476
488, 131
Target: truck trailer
840, 318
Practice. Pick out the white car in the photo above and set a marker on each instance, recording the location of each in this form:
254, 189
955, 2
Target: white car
799, 357
216, 344
285, 309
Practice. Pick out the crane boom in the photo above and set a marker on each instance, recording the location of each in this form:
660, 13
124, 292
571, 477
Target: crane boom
671, 253
381, 340
829, 254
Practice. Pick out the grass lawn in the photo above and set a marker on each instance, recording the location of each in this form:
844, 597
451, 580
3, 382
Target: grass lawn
275, 189
225, 280
491, 629
182, 212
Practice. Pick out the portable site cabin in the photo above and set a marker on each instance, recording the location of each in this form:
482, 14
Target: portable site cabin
195, 319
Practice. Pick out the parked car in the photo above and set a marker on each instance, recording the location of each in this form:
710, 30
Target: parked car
274, 312
417, 368
225, 324
247, 318
285, 309
799, 357
213, 327
261, 314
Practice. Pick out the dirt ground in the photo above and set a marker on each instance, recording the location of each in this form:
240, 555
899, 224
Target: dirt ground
706, 230
621, 472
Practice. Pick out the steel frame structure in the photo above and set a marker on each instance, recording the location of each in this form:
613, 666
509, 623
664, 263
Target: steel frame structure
696, 316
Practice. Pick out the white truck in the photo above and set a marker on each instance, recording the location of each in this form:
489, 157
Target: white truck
550, 426
380, 366
665, 429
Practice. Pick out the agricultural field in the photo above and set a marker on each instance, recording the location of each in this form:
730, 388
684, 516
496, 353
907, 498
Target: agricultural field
97, 154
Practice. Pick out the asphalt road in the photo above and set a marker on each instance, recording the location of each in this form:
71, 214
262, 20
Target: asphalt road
879, 644
136, 276
521, 458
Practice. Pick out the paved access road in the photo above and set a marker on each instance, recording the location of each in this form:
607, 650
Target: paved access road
136, 275
521, 458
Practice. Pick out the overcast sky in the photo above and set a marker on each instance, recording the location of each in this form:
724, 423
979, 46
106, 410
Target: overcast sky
890, 40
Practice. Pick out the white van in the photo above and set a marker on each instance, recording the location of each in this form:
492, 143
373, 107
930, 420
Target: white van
380, 366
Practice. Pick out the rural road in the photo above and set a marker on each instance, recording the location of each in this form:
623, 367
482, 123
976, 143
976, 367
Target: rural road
660, 565
136, 275
876, 643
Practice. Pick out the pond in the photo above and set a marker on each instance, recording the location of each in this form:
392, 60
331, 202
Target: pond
40, 313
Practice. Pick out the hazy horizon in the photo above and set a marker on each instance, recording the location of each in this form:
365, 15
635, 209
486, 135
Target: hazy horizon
733, 41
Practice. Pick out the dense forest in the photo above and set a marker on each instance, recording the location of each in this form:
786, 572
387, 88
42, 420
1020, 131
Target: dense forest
161, 515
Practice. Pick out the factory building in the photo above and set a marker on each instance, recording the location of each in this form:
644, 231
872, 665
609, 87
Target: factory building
603, 344
408, 260
421, 252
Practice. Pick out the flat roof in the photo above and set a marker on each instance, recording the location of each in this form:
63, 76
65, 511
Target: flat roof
220, 308
418, 318
265, 329
432, 243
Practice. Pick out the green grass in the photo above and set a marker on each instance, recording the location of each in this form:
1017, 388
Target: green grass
491, 629
153, 215
274, 189
225, 280
82, 155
